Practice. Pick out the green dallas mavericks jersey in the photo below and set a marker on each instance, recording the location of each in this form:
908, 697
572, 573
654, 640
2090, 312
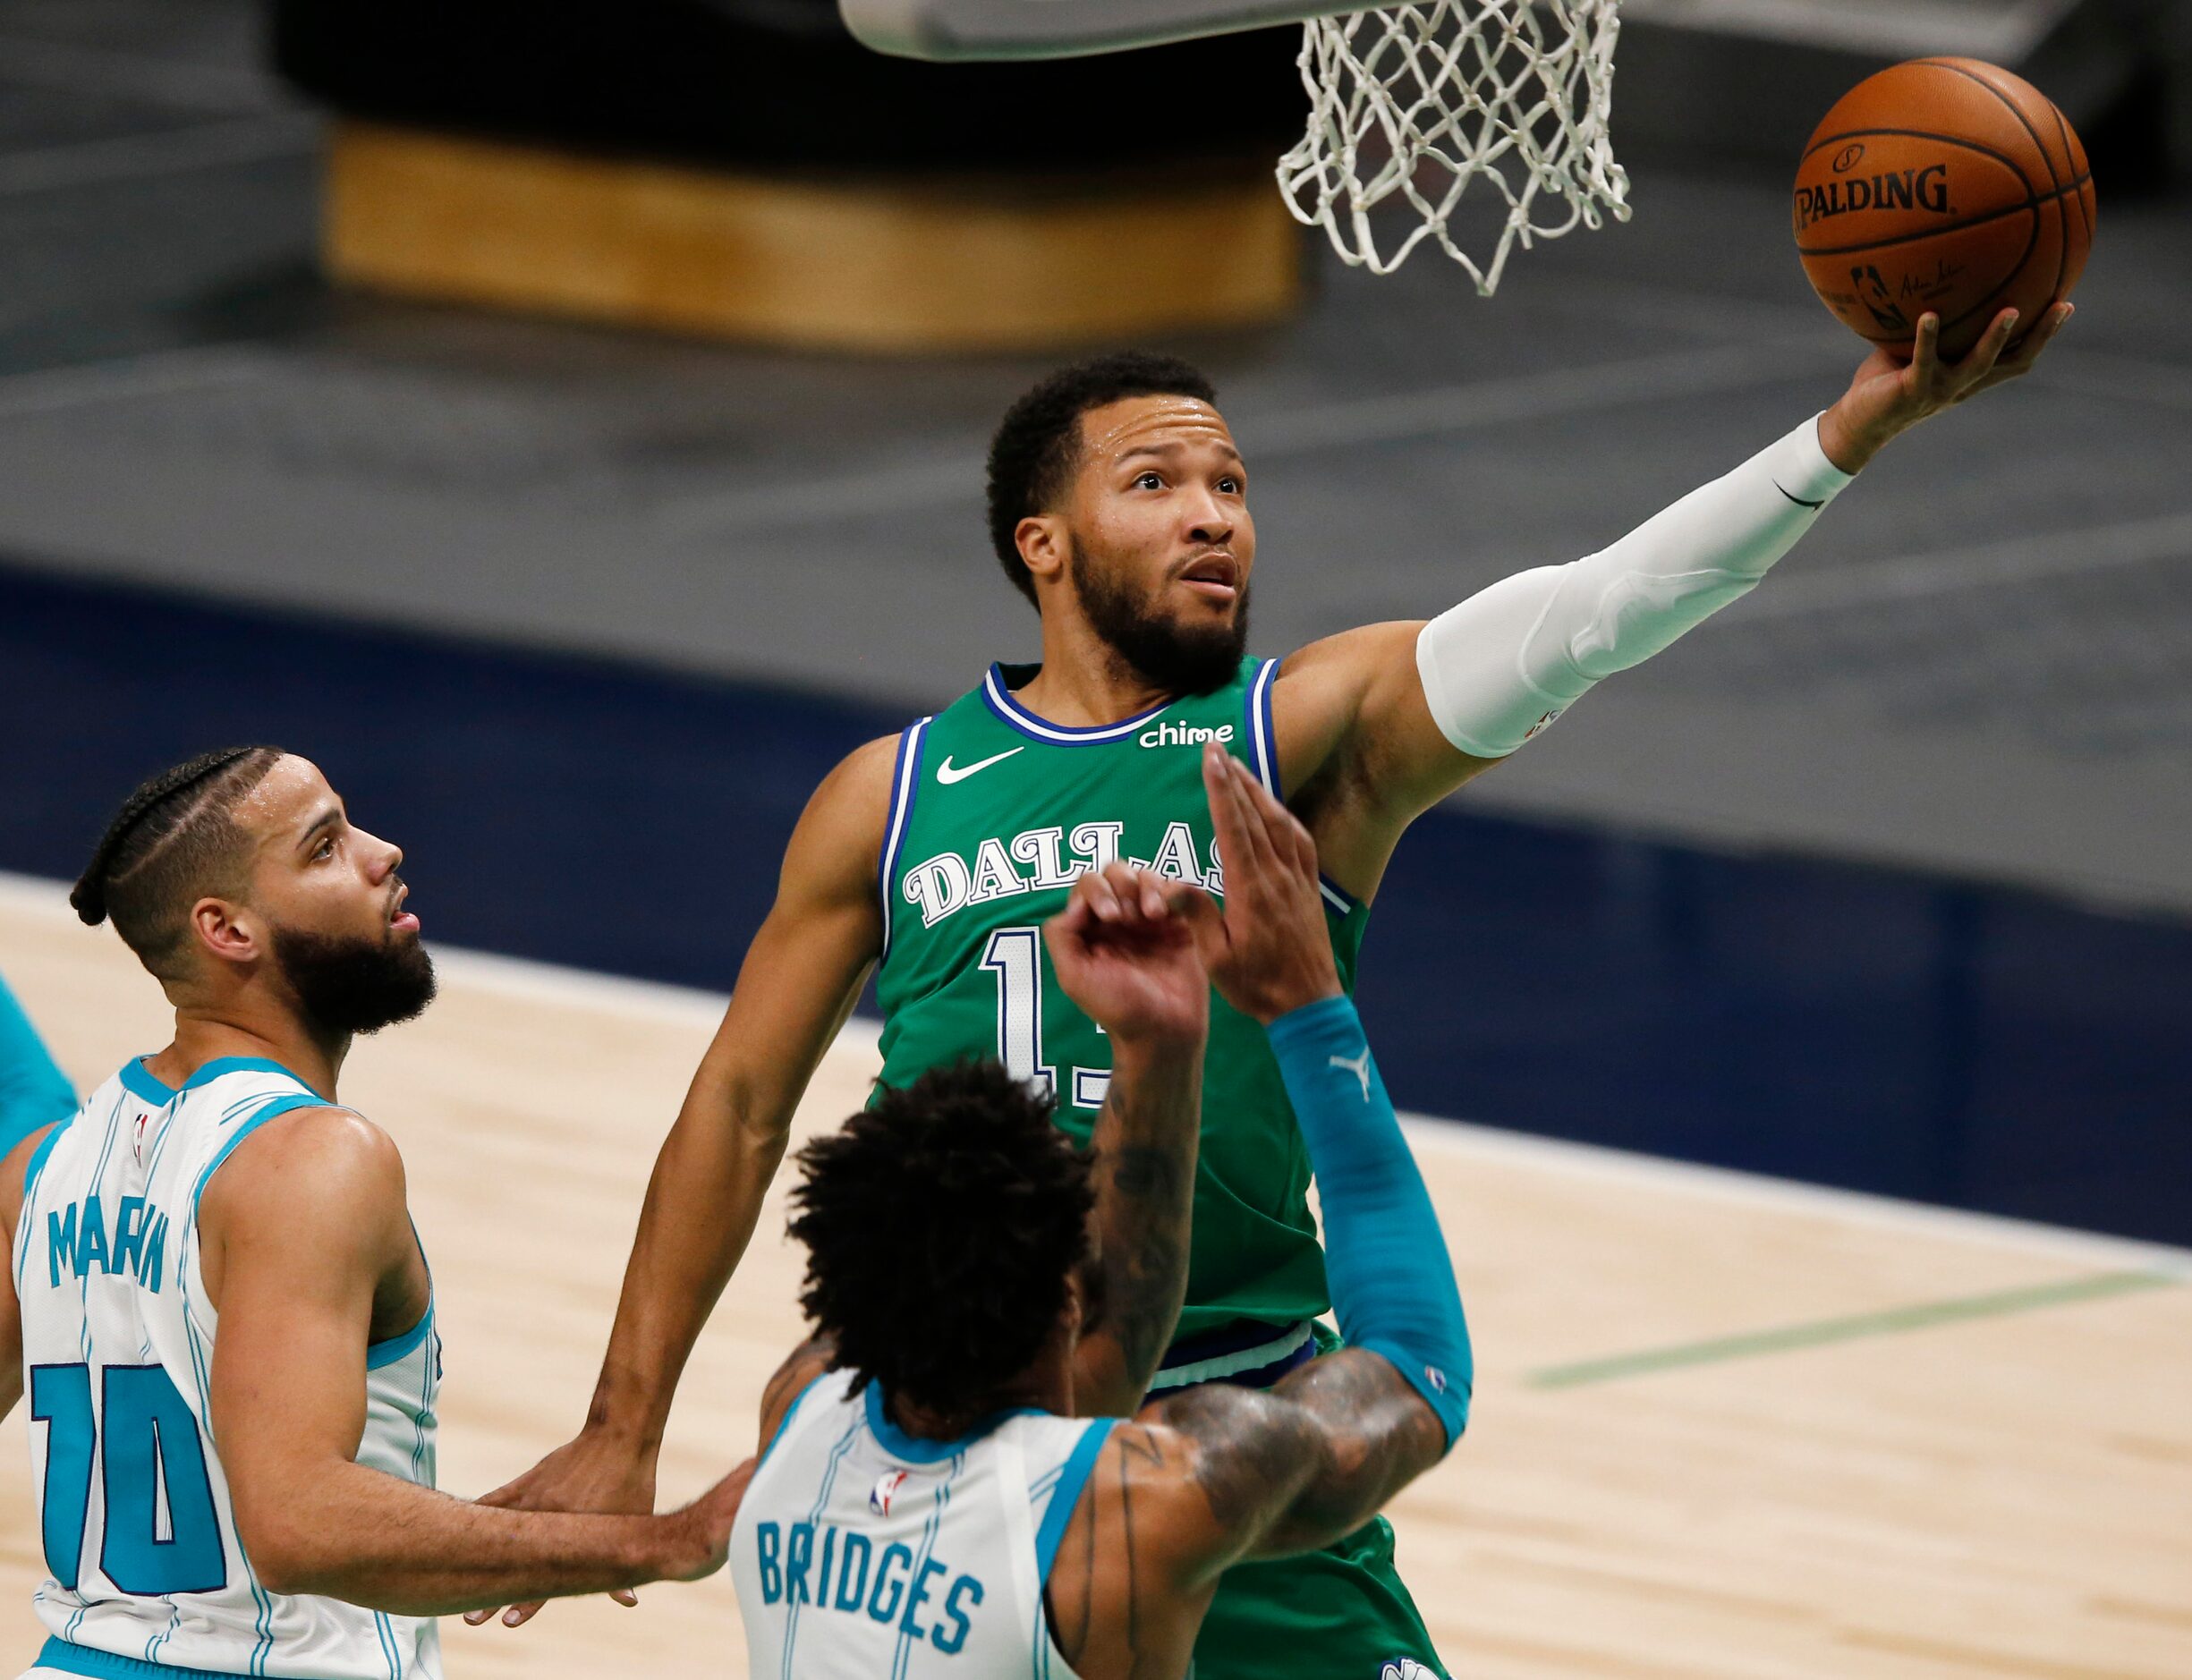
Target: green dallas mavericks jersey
993, 813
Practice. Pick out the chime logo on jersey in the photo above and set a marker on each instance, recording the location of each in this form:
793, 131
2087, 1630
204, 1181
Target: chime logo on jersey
887, 1485
1172, 735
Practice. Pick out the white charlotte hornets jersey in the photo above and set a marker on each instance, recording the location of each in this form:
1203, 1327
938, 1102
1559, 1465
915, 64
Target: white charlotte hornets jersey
140, 1546
863, 1553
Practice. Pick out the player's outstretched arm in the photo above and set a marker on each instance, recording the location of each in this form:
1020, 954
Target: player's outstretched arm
303, 1229
1218, 1474
801, 978
1377, 724
1124, 949
1298, 1467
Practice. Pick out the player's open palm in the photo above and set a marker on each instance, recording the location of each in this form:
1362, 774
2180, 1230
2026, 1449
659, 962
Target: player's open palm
1124, 949
1892, 391
1270, 954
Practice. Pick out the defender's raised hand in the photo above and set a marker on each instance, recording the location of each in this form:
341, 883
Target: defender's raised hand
1124, 949
1271, 952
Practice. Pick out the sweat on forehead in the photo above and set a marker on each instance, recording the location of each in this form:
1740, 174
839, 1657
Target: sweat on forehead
1143, 419
290, 783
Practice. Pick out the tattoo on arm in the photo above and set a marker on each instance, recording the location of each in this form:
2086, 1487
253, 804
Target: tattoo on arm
1144, 1192
1311, 1461
1145, 1146
1134, 1450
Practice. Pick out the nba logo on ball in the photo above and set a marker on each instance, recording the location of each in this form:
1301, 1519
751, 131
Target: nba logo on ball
885, 1486
1405, 1669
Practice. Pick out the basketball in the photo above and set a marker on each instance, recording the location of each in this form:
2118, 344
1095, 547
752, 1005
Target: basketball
1945, 184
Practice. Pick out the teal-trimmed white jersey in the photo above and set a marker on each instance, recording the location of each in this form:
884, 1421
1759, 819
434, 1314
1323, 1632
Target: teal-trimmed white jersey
142, 1558
864, 1553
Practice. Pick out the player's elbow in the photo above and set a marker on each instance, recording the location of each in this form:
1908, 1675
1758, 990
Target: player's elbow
288, 1551
282, 1558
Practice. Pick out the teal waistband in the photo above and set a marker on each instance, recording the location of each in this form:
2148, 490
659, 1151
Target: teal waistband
106, 1664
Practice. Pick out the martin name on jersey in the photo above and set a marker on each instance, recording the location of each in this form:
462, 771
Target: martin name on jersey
144, 1562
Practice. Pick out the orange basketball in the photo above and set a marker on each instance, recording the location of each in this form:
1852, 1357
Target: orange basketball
1944, 184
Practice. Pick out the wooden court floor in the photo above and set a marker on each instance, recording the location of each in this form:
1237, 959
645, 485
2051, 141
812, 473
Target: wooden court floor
1723, 1427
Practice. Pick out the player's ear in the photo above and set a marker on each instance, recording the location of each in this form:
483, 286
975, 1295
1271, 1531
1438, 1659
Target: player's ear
224, 931
1043, 544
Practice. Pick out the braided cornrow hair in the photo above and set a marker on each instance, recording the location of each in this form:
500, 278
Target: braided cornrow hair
173, 833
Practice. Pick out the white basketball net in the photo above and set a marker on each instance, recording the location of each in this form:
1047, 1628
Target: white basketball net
1418, 101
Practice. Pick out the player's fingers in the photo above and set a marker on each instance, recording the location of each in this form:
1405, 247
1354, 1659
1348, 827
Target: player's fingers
1980, 360
1225, 811
2017, 360
626, 1596
510, 1496
1205, 921
1274, 828
1925, 349
1125, 882
1156, 902
1194, 909
474, 1617
1289, 839
1255, 833
1072, 923
518, 1615
1097, 893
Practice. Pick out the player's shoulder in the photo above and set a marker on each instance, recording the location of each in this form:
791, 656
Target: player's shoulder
856, 792
317, 1158
1365, 646
1323, 687
1143, 1501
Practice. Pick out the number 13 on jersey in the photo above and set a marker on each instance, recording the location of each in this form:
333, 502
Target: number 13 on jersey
1015, 955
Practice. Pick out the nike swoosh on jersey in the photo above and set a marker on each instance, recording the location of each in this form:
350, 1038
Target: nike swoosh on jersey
947, 775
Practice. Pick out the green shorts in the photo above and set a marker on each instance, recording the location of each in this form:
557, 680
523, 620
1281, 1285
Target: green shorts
1341, 1613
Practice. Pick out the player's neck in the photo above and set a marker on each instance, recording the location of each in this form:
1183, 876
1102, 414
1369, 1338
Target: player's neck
1044, 1388
1046, 1385
1083, 682
207, 1032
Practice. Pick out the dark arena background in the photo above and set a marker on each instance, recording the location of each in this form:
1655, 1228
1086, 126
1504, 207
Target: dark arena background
1878, 882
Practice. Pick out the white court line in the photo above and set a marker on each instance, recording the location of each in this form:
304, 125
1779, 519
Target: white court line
1980, 566
155, 373
523, 980
143, 157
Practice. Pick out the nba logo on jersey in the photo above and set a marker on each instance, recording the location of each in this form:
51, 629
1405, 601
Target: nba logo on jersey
887, 1485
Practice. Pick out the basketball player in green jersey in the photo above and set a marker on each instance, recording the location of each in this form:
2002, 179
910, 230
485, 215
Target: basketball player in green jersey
1119, 507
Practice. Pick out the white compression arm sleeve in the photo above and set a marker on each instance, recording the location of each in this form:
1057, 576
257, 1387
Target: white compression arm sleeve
1511, 658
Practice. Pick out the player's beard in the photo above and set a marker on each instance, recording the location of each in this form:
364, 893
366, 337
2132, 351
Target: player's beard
355, 984
1176, 660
